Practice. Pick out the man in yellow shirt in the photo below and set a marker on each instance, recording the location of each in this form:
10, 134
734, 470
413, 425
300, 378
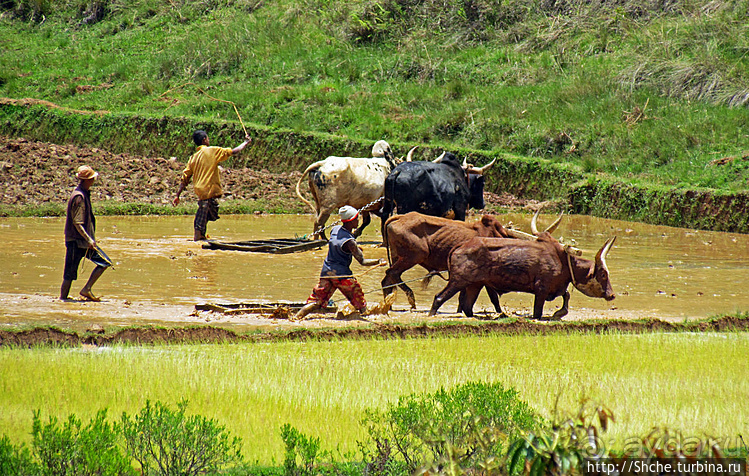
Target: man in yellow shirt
202, 168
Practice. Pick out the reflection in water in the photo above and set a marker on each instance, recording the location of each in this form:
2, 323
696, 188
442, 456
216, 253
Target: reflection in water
671, 271
203, 271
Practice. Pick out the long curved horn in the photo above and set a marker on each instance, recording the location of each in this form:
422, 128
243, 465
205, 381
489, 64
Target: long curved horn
534, 228
410, 155
601, 255
520, 235
481, 170
465, 162
571, 250
439, 159
551, 228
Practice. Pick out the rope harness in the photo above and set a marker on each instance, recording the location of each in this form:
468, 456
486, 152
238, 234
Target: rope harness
320, 230
383, 288
572, 273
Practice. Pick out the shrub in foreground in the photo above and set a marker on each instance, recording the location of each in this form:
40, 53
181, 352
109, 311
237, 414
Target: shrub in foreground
70, 448
562, 446
168, 442
16, 460
466, 427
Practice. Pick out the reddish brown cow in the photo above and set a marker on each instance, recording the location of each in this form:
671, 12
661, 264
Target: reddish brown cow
415, 239
542, 267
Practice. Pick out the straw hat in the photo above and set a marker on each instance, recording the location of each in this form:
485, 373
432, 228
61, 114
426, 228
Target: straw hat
86, 173
348, 213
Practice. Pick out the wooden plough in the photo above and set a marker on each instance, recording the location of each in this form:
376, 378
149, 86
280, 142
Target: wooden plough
277, 246
275, 308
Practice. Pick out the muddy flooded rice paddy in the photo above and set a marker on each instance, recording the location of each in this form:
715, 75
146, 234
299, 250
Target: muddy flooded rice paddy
160, 274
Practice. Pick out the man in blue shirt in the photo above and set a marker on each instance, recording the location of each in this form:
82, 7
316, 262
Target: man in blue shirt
336, 269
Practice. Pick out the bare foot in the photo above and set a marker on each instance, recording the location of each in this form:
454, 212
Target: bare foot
89, 296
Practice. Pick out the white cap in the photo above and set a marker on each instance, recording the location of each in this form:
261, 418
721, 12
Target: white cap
348, 213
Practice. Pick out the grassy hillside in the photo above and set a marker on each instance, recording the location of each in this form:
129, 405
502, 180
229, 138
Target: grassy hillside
654, 92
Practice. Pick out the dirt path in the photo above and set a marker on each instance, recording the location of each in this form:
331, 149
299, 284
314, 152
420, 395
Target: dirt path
179, 324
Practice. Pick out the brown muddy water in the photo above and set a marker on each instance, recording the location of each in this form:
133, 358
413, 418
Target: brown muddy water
160, 274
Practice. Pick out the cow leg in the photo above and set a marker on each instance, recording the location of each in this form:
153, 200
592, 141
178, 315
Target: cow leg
322, 218
365, 221
564, 309
468, 298
442, 297
388, 282
538, 306
378, 214
392, 277
409, 294
385, 212
465, 305
494, 298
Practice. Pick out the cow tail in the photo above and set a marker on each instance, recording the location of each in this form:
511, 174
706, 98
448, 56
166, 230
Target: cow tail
385, 241
428, 279
425, 282
387, 209
299, 183
388, 206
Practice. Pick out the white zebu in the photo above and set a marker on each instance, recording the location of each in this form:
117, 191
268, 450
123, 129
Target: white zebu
338, 181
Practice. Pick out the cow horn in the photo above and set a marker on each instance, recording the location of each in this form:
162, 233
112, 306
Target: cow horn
534, 228
465, 162
601, 255
552, 228
410, 155
439, 159
481, 170
520, 235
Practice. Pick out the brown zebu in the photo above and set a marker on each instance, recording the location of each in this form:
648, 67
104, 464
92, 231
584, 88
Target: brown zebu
543, 268
415, 239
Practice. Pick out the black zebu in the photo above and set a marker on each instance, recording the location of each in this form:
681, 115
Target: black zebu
443, 188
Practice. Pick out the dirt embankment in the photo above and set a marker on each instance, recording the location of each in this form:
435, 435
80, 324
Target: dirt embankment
210, 334
35, 173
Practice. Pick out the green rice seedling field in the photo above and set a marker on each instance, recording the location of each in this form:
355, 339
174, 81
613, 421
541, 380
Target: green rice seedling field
691, 382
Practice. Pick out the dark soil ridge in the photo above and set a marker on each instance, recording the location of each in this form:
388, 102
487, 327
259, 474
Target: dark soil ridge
284, 151
148, 335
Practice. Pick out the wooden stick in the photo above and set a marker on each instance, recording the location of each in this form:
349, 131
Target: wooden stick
212, 98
